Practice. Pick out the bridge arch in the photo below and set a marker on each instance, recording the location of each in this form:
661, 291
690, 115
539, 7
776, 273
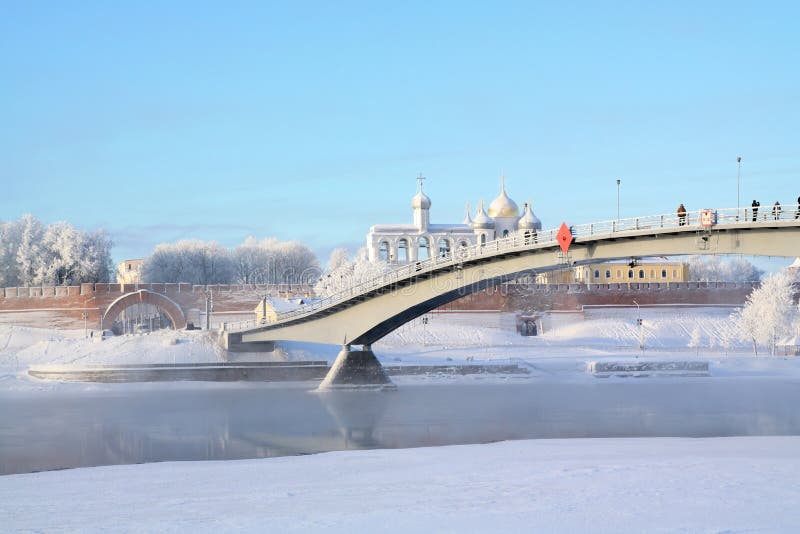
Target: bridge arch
143, 296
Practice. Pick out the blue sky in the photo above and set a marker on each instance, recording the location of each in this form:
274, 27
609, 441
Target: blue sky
309, 121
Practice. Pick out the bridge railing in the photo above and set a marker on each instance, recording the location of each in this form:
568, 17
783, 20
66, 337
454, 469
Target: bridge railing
537, 239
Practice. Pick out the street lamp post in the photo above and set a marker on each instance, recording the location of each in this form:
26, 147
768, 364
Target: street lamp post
641, 325
738, 182
618, 182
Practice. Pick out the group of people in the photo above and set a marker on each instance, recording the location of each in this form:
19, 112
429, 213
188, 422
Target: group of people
776, 211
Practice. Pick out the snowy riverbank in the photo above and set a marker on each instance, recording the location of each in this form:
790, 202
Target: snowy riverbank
578, 485
568, 344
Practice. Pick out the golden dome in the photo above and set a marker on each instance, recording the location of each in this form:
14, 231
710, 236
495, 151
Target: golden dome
503, 206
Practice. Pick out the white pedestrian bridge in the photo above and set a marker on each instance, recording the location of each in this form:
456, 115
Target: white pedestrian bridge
366, 312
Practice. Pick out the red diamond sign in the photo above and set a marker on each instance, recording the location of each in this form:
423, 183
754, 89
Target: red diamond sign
564, 237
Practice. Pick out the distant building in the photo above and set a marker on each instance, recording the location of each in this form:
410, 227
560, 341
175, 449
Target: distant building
618, 273
403, 243
130, 271
269, 308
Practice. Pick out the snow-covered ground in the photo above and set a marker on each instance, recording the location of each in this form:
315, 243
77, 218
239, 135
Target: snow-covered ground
581, 485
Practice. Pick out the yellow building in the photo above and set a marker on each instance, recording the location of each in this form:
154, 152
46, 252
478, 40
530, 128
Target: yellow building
130, 271
618, 273
268, 309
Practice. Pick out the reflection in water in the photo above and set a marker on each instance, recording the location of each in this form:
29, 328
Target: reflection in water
40, 432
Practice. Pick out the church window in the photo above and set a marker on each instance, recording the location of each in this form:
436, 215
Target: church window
444, 248
630, 273
641, 273
608, 273
663, 273
383, 251
402, 250
596, 274
483, 239
424, 248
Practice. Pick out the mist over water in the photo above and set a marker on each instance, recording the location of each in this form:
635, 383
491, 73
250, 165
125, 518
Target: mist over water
65, 430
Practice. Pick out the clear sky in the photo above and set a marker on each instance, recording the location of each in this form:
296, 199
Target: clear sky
309, 121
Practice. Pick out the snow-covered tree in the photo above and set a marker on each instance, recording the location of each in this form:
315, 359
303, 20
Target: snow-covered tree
348, 275
190, 261
338, 257
95, 263
10, 238
715, 269
28, 251
770, 312
253, 262
34, 254
59, 253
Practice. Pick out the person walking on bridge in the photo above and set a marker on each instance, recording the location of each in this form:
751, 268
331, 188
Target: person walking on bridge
755, 206
776, 210
797, 211
681, 215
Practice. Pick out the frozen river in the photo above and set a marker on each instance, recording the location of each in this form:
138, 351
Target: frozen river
161, 422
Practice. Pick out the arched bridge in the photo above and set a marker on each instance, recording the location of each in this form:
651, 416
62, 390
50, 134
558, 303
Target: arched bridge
368, 311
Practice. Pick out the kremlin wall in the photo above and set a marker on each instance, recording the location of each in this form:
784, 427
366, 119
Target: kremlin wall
64, 306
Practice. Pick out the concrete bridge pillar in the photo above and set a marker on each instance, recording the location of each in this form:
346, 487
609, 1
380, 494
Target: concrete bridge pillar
356, 369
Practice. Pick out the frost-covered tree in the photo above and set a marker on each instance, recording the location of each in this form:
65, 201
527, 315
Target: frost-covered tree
57, 254
28, 252
770, 312
253, 262
338, 257
189, 261
10, 238
715, 269
349, 275
95, 264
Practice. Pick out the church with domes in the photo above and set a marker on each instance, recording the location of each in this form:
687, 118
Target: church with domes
403, 243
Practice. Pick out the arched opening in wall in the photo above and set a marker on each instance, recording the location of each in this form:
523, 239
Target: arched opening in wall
424, 251
463, 244
142, 311
608, 273
141, 319
383, 251
597, 274
483, 239
630, 273
641, 273
444, 248
505, 233
402, 250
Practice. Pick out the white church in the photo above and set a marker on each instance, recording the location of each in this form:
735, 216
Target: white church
403, 243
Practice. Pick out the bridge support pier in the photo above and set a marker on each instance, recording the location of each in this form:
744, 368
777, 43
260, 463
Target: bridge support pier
356, 369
